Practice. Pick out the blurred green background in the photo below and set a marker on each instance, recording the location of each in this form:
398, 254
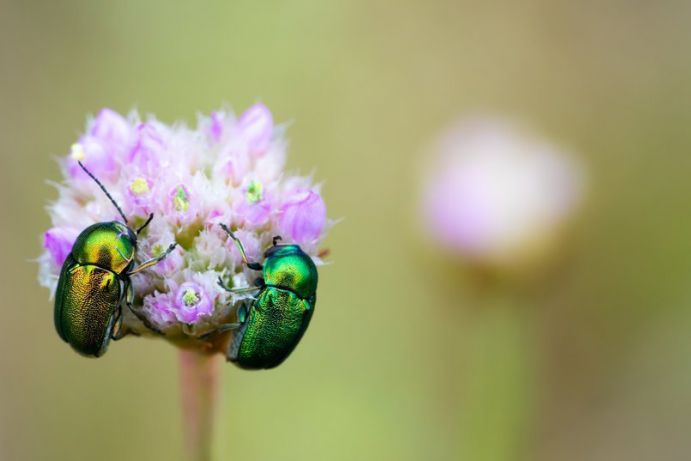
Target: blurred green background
402, 361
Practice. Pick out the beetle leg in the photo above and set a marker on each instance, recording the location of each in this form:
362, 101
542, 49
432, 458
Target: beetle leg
244, 290
251, 265
144, 320
118, 328
237, 290
222, 285
228, 327
221, 329
129, 301
129, 296
118, 331
153, 261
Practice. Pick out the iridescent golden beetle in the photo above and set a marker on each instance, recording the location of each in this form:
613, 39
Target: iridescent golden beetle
95, 280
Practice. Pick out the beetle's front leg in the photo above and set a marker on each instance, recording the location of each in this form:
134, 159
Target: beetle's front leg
129, 296
118, 328
237, 290
153, 261
129, 301
228, 327
219, 330
252, 265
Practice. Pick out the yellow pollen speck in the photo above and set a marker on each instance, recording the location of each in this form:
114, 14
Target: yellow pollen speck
254, 191
189, 297
139, 186
180, 200
77, 152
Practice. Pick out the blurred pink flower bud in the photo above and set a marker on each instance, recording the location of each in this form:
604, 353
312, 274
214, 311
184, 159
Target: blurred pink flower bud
497, 196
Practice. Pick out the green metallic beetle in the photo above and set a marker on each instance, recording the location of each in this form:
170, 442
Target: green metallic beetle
273, 322
95, 280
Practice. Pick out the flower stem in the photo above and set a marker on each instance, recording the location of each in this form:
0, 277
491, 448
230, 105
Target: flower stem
498, 391
199, 377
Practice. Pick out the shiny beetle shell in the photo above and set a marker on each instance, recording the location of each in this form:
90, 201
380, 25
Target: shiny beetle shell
91, 286
279, 315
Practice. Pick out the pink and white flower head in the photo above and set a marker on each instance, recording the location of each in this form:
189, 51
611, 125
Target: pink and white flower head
228, 170
497, 196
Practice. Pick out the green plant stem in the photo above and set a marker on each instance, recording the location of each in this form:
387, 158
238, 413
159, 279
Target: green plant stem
199, 379
498, 390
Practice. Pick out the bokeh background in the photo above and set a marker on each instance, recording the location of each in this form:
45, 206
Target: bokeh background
404, 360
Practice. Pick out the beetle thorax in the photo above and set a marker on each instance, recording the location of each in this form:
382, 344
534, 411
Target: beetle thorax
109, 245
288, 267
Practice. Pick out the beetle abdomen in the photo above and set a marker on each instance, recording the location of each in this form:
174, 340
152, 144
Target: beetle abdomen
85, 303
276, 322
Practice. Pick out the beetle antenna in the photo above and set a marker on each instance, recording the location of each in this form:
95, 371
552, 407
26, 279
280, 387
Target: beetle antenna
277, 239
112, 200
143, 226
255, 266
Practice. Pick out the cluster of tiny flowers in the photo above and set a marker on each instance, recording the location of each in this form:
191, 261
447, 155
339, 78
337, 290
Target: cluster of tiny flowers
228, 170
497, 195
